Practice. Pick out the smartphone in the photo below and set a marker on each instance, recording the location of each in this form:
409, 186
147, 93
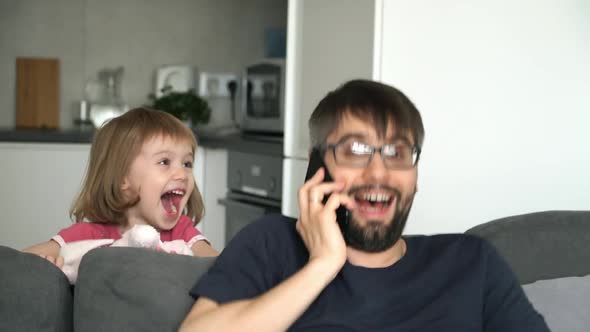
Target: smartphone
315, 162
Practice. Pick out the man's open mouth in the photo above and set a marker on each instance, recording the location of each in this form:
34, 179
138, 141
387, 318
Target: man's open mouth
374, 199
171, 200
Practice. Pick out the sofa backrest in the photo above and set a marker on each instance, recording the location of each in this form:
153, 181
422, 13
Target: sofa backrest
134, 289
34, 294
541, 245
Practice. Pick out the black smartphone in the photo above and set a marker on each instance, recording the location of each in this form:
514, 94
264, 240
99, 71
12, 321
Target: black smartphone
315, 162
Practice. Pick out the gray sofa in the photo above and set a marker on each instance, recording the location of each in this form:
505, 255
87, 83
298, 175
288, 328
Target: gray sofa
550, 254
118, 289
130, 289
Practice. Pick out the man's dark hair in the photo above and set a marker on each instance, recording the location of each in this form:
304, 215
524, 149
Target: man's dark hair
370, 101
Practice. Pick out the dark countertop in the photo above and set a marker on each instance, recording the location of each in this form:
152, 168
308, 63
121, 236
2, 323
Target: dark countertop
46, 135
235, 142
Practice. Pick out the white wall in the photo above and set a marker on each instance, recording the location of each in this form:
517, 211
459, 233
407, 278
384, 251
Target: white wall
88, 35
504, 90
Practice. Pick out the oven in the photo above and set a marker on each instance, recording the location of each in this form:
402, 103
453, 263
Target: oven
254, 185
262, 97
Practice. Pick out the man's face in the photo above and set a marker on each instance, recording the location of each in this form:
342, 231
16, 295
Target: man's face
383, 195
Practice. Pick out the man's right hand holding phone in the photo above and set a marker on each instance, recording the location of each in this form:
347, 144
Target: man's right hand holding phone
317, 223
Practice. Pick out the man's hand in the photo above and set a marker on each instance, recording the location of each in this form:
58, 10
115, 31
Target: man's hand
317, 223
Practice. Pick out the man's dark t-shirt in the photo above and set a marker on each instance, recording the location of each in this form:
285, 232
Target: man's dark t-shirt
448, 282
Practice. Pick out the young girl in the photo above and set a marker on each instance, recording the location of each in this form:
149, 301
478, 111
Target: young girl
140, 171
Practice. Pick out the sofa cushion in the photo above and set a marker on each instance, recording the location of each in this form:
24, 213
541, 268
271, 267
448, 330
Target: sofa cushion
34, 294
541, 245
135, 289
564, 302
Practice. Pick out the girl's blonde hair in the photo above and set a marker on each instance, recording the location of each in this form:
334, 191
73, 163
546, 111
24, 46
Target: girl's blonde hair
115, 145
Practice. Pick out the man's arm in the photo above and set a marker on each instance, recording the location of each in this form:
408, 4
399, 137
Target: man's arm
506, 307
281, 306
274, 310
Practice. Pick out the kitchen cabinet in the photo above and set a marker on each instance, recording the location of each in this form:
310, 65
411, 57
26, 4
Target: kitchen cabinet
211, 177
38, 182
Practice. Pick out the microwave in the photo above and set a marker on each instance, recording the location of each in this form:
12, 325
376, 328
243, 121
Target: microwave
262, 97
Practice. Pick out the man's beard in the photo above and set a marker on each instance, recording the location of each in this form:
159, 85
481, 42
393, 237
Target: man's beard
377, 236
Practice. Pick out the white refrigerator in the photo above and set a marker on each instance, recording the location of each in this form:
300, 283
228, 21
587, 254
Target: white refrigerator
320, 56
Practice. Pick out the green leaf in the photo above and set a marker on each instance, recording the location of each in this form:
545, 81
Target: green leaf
183, 105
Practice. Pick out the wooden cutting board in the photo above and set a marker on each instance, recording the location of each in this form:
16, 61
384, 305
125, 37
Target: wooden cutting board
37, 93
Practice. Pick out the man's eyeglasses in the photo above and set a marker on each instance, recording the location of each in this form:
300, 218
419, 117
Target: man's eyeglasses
396, 155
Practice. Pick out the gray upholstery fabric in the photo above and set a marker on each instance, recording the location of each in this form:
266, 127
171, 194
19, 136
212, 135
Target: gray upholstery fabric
133, 289
34, 294
542, 245
563, 302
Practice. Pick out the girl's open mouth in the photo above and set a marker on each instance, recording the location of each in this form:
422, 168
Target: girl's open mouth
171, 201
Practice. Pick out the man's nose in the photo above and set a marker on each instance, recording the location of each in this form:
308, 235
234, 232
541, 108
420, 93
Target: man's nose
376, 168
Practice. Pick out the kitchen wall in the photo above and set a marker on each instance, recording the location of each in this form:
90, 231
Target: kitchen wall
140, 35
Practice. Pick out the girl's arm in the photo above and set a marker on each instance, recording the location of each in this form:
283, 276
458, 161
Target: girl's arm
203, 248
48, 250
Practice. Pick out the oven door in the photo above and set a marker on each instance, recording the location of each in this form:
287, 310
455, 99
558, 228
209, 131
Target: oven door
240, 210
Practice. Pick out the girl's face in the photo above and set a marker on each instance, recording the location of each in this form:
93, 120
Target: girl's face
162, 176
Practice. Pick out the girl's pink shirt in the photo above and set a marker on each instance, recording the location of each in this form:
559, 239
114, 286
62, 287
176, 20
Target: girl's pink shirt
184, 230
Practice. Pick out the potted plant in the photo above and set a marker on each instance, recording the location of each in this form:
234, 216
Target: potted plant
186, 106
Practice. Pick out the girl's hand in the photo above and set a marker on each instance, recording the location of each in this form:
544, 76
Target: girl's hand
317, 223
57, 261
160, 248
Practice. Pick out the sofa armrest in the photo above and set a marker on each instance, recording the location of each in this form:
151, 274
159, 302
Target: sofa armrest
135, 289
35, 295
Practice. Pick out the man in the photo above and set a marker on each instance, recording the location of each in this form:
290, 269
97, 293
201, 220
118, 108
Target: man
310, 274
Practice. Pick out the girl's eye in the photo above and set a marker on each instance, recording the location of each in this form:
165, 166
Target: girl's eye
164, 162
188, 164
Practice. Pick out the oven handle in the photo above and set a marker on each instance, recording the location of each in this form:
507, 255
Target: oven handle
253, 207
253, 200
